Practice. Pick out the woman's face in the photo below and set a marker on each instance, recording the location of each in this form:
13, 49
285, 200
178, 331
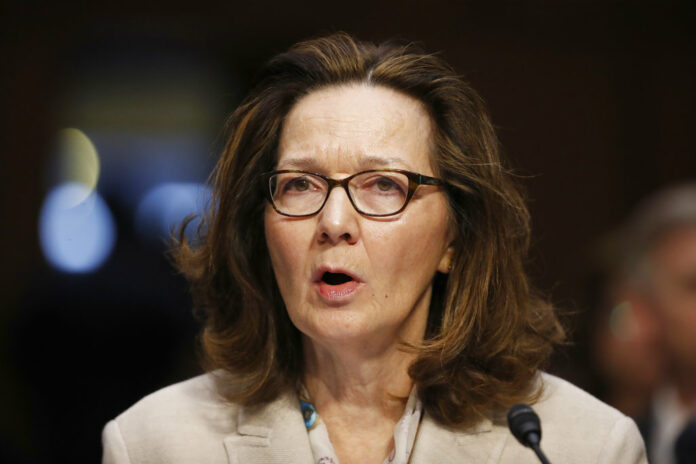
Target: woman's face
389, 263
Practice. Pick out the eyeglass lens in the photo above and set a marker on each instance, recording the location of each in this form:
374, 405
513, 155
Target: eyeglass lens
379, 193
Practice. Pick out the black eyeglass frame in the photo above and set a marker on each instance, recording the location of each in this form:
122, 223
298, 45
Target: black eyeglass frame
415, 180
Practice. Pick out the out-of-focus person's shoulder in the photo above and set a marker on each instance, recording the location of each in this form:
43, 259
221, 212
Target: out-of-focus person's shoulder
577, 427
163, 426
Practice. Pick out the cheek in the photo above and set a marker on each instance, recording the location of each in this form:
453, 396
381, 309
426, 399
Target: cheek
409, 251
287, 243
280, 247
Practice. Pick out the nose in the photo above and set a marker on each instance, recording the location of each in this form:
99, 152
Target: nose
338, 220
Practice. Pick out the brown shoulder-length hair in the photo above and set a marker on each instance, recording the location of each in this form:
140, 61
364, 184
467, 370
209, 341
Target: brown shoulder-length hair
487, 333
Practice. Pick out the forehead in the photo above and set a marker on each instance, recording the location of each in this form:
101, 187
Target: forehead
352, 127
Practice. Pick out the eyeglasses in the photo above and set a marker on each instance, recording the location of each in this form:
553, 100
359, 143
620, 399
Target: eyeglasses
376, 193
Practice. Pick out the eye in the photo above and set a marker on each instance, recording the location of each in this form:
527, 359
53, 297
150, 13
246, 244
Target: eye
385, 184
299, 184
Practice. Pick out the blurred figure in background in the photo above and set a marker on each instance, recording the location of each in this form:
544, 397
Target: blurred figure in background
625, 355
645, 346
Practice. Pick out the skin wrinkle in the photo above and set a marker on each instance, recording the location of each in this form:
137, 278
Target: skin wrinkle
339, 129
348, 124
362, 162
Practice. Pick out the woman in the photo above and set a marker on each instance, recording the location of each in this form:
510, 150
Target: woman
361, 274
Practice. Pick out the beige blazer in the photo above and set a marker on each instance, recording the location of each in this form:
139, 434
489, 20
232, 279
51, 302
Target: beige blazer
189, 423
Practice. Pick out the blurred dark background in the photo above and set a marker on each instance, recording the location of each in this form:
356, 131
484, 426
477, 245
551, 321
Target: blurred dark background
594, 103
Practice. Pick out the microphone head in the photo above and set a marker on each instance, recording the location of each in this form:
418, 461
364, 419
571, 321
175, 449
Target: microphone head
524, 424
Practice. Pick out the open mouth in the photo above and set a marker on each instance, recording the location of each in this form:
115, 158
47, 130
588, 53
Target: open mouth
335, 278
336, 288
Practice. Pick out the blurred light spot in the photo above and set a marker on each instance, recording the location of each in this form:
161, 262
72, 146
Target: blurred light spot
76, 229
164, 207
134, 163
622, 322
78, 161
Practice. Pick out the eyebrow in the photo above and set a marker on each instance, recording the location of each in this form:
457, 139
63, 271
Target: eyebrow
364, 162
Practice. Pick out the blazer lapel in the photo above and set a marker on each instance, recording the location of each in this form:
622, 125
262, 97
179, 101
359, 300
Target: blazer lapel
273, 433
482, 443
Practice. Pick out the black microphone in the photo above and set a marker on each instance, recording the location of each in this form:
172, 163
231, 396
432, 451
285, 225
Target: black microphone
525, 426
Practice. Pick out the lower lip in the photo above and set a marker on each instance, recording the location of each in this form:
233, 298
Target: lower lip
337, 293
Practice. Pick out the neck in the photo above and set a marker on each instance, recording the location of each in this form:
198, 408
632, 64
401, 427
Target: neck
352, 381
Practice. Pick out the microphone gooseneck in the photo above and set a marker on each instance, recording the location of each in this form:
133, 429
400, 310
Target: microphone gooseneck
526, 427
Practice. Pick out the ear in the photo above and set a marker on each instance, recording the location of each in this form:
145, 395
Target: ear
445, 265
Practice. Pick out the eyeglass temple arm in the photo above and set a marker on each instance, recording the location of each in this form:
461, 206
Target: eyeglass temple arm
427, 180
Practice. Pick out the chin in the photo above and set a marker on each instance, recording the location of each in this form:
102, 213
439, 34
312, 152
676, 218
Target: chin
341, 332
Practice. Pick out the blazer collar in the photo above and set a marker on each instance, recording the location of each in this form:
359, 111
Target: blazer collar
273, 433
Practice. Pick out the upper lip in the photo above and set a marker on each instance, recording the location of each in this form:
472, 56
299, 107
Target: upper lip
321, 270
